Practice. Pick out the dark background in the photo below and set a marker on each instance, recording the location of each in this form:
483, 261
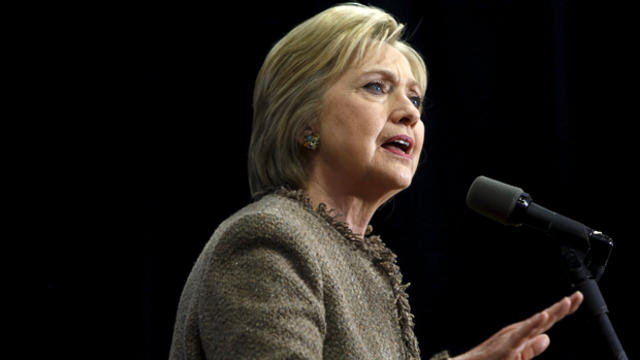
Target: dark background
160, 94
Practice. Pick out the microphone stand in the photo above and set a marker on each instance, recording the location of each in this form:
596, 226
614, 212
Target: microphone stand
585, 269
586, 252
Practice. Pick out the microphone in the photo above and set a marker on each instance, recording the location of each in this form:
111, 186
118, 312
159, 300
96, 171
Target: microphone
510, 205
586, 252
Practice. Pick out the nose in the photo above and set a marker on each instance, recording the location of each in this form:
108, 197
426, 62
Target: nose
405, 112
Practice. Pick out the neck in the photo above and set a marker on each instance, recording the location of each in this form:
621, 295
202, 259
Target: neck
356, 211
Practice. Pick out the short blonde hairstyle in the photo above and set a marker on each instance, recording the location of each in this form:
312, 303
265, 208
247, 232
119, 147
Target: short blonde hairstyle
290, 86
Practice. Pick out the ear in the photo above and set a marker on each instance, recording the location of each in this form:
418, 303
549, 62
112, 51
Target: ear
310, 139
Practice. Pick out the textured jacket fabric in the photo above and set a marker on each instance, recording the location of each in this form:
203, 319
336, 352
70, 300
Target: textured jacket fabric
281, 280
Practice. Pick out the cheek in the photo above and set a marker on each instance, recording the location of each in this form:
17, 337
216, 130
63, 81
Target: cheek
356, 124
419, 131
361, 117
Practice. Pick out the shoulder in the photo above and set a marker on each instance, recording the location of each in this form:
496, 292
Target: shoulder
272, 215
270, 241
273, 222
258, 281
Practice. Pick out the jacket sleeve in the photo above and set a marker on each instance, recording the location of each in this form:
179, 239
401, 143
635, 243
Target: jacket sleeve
261, 294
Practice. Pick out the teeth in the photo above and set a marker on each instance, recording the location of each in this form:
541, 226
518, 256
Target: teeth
403, 143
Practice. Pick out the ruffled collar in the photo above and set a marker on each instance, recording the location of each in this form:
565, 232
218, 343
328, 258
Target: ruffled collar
380, 255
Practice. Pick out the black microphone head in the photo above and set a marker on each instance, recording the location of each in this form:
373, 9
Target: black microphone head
493, 199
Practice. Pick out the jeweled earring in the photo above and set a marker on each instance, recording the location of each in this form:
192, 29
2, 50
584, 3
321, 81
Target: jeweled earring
311, 141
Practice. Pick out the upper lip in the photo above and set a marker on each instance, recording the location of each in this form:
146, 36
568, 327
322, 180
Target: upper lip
404, 138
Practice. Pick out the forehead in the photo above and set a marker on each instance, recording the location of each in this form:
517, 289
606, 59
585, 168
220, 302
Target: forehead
388, 58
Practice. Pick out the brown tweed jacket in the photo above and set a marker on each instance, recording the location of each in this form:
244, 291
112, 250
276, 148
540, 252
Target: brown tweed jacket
280, 280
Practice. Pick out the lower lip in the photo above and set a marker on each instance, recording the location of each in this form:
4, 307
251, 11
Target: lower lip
398, 152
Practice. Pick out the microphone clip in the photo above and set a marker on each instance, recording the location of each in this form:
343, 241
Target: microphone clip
599, 253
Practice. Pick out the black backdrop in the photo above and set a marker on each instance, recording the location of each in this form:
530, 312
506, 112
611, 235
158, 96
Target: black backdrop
167, 119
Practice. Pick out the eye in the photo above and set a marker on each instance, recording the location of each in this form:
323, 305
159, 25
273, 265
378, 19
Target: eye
376, 87
416, 101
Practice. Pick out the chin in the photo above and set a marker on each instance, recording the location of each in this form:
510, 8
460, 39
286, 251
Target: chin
390, 179
399, 182
404, 185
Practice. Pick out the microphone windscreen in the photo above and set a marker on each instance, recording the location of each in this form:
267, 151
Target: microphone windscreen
493, 199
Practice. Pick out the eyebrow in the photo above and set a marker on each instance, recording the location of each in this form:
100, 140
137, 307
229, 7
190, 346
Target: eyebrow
389, 74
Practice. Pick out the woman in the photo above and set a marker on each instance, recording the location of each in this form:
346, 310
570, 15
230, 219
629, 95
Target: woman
336, 126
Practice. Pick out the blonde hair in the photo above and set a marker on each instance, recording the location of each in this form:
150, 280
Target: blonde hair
290, 86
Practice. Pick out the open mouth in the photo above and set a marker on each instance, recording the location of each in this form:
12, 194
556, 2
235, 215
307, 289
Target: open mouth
400, 145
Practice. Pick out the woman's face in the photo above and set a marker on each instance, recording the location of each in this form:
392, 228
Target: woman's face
370, 128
